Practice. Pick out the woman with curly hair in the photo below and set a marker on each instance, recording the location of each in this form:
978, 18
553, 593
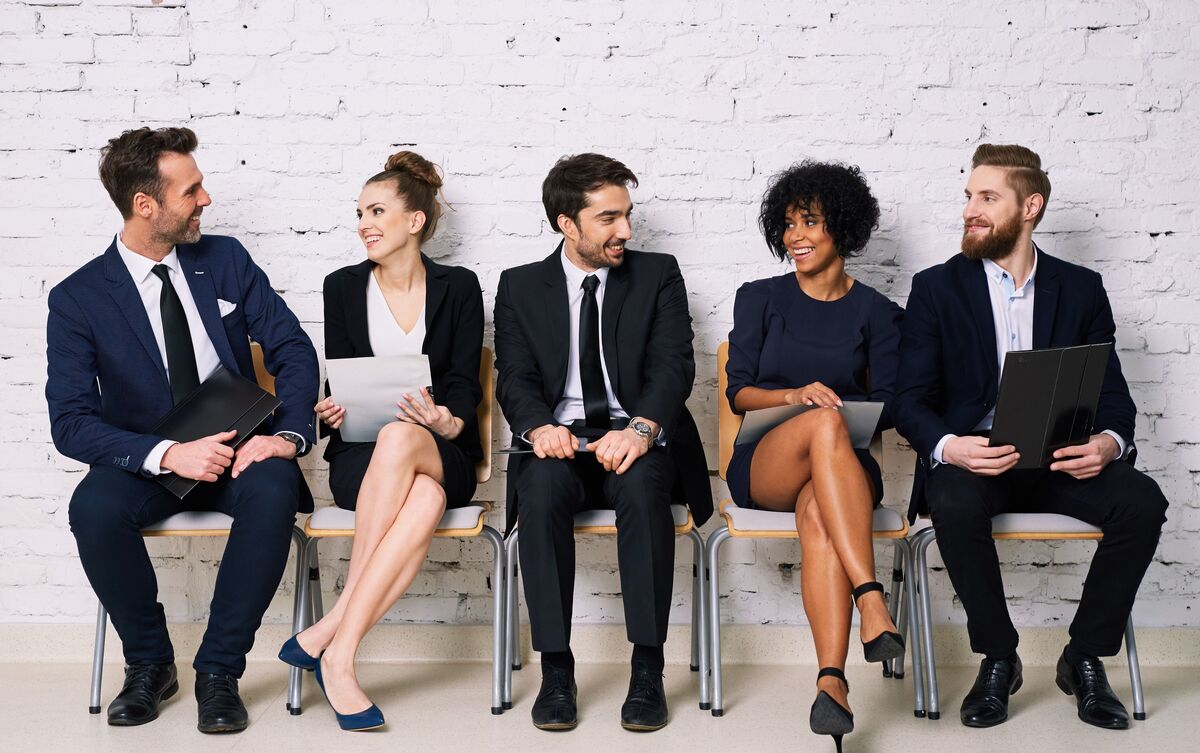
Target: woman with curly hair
818, 337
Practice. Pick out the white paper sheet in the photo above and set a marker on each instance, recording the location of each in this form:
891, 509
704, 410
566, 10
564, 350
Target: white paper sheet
370, 388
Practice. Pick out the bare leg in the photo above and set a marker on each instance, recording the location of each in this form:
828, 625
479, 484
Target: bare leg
815, 447
826, 592
401, 452
394, 564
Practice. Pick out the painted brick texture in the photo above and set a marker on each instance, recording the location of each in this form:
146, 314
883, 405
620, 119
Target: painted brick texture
296, 102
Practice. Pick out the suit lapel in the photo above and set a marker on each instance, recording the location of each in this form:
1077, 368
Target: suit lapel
435, 293
1045, 302
125, 294
204, 293
557, 317
354, 297
975, 284
614, 300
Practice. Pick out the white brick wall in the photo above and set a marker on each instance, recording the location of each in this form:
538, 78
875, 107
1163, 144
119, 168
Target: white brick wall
296, 102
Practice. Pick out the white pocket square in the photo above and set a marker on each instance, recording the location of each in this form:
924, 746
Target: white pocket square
225, 307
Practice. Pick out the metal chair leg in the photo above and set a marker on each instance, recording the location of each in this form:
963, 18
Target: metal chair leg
298, 613
499, 632
700, 619
920, 550
913, 624
98, 659
712, 563
694, 659
900, 617
512, 626
889, 666
1135, 672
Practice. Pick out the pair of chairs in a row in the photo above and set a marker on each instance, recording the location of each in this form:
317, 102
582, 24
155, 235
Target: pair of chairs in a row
908, 599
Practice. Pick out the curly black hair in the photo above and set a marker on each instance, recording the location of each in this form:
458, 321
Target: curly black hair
839, 190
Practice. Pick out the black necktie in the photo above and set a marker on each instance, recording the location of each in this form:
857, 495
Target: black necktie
591, 373
181, 358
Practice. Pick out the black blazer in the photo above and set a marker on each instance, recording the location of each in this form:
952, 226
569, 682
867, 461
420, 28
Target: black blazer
949, 376
647, 340
453, 339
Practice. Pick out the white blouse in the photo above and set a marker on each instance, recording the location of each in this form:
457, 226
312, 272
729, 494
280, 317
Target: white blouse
386, 336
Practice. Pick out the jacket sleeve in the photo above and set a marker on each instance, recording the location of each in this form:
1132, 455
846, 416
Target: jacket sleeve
288, 353
670, 365
745, 340
461, 379
519, 382
1115, 411
919, 375
73, 394
883, 355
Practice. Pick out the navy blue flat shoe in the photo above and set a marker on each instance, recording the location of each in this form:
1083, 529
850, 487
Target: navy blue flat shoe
292, 653
363, 720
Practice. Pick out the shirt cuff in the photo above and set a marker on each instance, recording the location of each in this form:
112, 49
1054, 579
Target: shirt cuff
303, 442
152, 465
936, 458
1122, 445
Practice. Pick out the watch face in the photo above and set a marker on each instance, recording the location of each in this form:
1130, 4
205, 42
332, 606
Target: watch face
641, 428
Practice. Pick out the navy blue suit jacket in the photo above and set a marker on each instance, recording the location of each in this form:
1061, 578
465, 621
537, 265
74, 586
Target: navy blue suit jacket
107, 384
949, 376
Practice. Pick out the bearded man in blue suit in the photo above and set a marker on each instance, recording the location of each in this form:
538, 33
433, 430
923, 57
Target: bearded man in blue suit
129, 335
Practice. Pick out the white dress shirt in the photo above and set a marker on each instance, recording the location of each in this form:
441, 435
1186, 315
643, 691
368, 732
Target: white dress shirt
1012, 316
385, 334
149, 286
570, 407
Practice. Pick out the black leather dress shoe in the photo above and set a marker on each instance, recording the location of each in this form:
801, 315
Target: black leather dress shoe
146, 687
987, 703
220, 706
555, 707
645, 707
1098, 704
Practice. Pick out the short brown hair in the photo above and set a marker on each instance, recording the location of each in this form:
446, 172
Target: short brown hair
1025, 173
417, 183
565, 189
129, 163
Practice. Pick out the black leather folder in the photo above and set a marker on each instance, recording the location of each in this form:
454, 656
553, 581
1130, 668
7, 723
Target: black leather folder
1048, 400
222, 402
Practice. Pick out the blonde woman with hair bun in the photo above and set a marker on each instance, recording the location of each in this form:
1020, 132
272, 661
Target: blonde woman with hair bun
395, 302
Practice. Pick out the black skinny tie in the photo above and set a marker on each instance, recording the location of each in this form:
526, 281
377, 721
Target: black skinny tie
181, 358
591, 373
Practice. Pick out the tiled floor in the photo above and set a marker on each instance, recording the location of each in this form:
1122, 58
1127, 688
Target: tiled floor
445, 707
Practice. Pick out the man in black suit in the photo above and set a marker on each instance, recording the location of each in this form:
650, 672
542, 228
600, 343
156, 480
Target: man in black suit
594, 352
1001, 294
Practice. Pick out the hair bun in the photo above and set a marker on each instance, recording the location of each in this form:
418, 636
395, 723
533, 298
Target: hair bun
416, 166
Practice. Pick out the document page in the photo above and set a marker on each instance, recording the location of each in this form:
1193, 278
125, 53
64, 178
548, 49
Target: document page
370, 388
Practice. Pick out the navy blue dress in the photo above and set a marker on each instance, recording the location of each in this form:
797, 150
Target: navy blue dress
782, 339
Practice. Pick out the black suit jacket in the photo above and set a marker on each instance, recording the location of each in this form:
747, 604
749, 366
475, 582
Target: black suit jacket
949, 375
646, 335
453, 339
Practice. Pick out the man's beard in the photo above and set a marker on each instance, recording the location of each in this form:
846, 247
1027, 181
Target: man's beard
996, 244
593, 254
171, 230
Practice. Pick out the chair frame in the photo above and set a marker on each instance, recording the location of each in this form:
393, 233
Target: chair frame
901, 611
699, 655
919, 578
309, 607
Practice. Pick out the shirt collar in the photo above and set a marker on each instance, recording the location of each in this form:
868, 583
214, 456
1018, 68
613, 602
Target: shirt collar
140, 268
575, 275
999, 274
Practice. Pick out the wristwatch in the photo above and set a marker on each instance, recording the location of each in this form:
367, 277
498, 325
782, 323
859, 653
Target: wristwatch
642, 429
295, 439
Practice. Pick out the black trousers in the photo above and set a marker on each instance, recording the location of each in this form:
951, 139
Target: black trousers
1124, 503
550, 492
108, 511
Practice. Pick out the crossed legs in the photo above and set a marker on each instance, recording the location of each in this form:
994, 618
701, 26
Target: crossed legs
807, 465
399, 505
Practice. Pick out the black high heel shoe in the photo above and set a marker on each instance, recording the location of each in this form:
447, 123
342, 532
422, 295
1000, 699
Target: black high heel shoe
828, 717
887, 645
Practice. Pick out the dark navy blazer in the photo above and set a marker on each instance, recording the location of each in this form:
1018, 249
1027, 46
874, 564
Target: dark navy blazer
107, 384
949, 375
